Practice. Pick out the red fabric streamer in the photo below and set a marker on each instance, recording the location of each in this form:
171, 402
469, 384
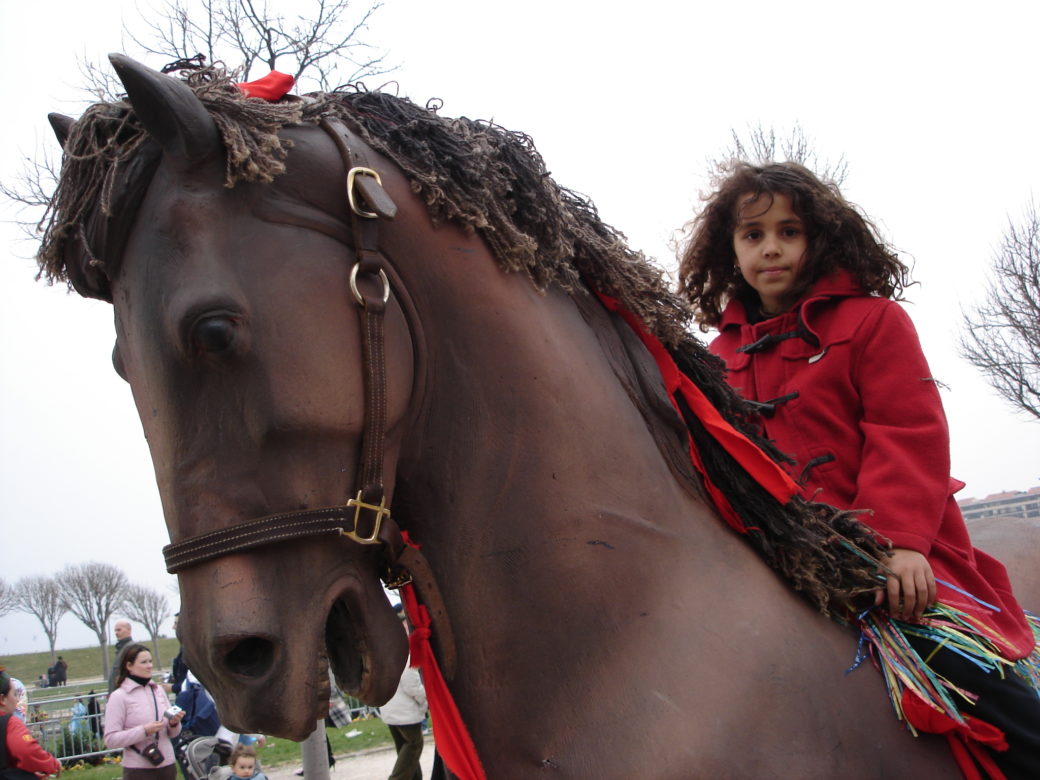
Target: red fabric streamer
271, 87
966, 739
449, 732
751, 458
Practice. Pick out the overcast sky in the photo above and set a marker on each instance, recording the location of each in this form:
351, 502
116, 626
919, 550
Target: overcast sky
933, 108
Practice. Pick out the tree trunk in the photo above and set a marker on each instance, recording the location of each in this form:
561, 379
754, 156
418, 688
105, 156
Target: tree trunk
106, 665
155, 651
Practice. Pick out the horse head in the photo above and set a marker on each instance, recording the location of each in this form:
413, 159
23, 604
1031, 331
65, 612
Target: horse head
238, 334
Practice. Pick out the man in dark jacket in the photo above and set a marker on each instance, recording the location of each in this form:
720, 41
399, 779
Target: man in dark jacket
123, 638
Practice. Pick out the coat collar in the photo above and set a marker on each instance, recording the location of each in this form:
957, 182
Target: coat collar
129, 685
839, 284
800, 333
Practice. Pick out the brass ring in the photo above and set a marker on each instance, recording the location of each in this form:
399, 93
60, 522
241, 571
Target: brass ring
357, 293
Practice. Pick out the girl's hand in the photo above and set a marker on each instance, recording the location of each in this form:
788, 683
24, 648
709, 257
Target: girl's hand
910, 586
176, 718
153, 727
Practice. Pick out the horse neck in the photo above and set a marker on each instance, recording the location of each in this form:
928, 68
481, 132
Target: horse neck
525, 415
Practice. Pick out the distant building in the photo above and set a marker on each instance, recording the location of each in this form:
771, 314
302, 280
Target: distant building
1016, 503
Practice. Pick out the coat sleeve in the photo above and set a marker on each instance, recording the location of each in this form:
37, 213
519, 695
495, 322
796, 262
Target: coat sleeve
412, 685
24, 752
905, 468
119, 734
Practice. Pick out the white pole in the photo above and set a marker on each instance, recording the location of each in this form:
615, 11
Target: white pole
315, 756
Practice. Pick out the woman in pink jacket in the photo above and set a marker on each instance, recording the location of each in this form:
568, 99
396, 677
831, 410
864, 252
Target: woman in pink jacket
800, 287
135, 719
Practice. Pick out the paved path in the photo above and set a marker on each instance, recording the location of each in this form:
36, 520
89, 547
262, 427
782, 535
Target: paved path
374, 764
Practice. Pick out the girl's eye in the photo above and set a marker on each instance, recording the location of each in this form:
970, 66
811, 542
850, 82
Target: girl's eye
791, 232
753, 235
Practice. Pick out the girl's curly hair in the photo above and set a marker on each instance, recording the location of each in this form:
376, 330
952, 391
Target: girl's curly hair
838, 237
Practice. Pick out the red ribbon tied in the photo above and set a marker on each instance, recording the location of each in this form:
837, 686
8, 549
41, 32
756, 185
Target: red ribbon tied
449, 731
966, 739
270, 88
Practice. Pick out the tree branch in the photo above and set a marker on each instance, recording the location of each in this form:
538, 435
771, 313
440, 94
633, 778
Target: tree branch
1002, 333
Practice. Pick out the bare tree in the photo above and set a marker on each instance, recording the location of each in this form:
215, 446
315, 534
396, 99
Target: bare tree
317, 41
93, 592
321, 43
8, 598
1002, 334
150, 608
761, 145
41, 597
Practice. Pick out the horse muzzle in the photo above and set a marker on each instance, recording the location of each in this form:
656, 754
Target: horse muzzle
261, 630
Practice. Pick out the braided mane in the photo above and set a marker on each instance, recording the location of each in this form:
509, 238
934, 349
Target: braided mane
487, 180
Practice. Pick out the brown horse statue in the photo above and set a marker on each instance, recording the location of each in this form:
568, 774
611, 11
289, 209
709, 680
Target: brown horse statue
595, 617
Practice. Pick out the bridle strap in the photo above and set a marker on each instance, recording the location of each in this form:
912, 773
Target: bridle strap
368, 506
364, 519
280, 527
372, 299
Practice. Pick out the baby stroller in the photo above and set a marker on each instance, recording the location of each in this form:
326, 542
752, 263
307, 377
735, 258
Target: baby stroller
206, 758
202, 755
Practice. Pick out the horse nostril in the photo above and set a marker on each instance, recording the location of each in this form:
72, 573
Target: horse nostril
252, 657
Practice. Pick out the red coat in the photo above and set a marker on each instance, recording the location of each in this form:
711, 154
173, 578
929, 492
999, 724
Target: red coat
857, 408
24, 752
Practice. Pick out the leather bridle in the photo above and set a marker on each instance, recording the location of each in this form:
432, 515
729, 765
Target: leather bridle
364, 519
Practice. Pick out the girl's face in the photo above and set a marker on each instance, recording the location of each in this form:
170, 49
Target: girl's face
142, 665
244, 766
769, 242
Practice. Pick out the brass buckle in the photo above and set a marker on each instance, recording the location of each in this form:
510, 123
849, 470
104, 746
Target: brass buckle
352, 174
381, 512
396, 579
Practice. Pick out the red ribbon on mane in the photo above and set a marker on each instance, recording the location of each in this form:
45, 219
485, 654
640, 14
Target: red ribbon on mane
751, 458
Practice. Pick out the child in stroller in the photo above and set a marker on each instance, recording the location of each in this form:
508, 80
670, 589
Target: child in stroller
214, 758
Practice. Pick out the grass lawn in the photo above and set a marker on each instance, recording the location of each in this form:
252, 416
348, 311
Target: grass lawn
84, 664
278, 752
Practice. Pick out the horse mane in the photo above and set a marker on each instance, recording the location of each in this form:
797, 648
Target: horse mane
491, 181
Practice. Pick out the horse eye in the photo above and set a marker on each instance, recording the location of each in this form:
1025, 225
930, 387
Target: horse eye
215, 333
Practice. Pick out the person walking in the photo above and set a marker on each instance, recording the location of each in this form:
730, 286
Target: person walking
404, 715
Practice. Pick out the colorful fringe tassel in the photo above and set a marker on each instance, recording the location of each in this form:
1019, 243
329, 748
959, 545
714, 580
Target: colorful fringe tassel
884, 640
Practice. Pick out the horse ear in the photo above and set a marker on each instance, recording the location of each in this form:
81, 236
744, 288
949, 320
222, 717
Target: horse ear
170, 112
62, 126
